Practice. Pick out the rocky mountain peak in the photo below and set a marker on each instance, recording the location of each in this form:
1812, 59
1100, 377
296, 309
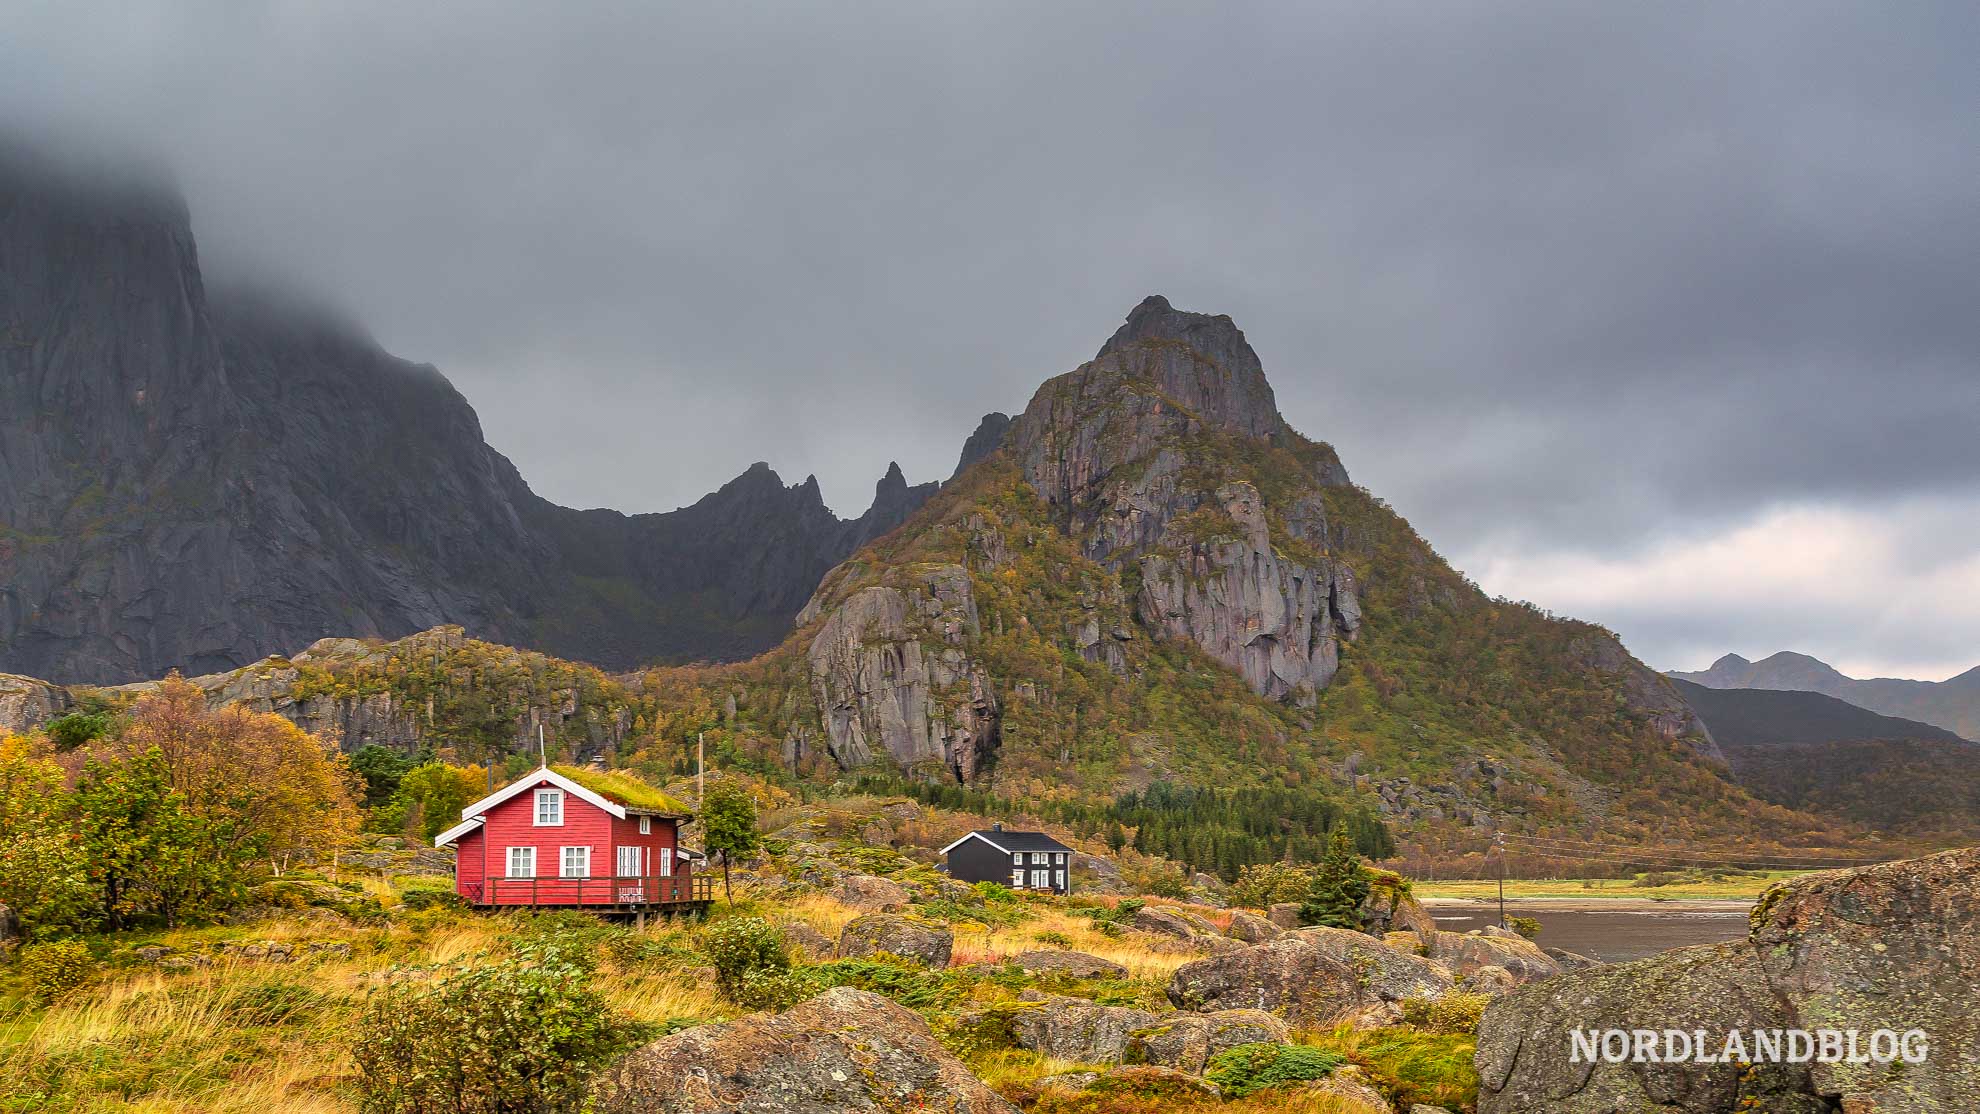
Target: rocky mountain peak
1200, 360
989, 436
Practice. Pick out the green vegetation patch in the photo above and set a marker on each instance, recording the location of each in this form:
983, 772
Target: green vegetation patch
625, 789
1253, 1067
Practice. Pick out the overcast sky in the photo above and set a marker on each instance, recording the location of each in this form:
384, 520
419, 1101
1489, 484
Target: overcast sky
1659, 316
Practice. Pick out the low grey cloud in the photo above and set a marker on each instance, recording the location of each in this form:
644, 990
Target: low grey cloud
1575, 286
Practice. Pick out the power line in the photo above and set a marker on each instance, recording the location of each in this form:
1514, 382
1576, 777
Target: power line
1810, 854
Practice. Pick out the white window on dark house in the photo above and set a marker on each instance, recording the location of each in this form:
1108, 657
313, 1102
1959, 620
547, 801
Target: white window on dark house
522, 862
1059, 879
1038, 858
577, 862
1038, 881
646, 825
549, 808
1017, 879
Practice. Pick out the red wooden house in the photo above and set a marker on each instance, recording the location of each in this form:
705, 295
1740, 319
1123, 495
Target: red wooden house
572, 838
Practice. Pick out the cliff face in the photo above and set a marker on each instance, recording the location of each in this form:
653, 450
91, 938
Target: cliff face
193, 480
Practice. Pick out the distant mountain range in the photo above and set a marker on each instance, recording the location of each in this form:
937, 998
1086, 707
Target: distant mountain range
1953, 704
1813, 752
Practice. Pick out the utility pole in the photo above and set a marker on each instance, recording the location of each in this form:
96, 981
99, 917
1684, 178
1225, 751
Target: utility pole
700, 772
1499, 841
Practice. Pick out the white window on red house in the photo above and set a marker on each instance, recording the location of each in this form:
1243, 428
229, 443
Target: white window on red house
577, 862
522, 862
628, 862
667, 861
646, 825
549, 808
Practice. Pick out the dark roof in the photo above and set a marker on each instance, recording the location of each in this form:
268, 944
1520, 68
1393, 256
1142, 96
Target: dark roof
1011, 840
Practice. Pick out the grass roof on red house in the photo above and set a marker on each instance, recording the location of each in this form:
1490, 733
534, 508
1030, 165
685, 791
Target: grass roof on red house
624, 789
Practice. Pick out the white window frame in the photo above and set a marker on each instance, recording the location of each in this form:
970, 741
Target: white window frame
625, 860
1040, 880
1038, 858
1017, 878
646, 825
1059, 880
553, 815
581, 868
667, 862
522, 862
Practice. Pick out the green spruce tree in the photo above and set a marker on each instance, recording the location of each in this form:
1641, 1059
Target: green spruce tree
1339, 886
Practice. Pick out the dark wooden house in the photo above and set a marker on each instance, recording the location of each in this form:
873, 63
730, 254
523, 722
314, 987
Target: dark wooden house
1020, 860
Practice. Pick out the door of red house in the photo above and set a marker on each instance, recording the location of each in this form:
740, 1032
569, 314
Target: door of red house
629, 868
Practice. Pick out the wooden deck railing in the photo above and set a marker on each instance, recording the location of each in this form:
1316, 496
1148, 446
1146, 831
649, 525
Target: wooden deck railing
621, 890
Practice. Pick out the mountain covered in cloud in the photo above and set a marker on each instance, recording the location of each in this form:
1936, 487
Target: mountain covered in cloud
1953, 704
193, 478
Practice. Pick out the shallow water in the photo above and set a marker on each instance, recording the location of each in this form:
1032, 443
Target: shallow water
1612, 936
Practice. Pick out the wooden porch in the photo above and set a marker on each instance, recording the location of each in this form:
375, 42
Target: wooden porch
634, 895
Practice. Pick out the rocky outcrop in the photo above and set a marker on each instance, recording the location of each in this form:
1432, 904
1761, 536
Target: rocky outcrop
869, 893
1252, 928
892, 676
1389, 907
884, 933
1465, 953
1186, 1041
26, 703
845, 1050
1894, 947
1311, 977
1078, 1030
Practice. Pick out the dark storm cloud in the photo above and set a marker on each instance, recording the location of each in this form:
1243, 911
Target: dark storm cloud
1557, 279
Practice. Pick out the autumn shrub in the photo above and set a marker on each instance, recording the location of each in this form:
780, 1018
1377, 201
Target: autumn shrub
1525, 926
752, 964
1456, 1012
50, 970
1253, 1067
523, 1036
1262, 885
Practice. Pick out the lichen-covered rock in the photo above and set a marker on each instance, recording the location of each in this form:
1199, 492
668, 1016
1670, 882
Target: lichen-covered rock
1571, 961
1490, 981
1351, 1095
1077, 1030
845, 1050
877, 933
1077, 965
1894, 946
1186, 1041
1310, 977
1466, 952
1164, 922
892, 677
1391, 908
1251, 928
1285, 914
807, 941
870, 893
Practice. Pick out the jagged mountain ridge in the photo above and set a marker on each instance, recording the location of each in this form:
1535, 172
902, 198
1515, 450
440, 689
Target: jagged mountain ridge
194, 479
1953, 704
1148, 576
